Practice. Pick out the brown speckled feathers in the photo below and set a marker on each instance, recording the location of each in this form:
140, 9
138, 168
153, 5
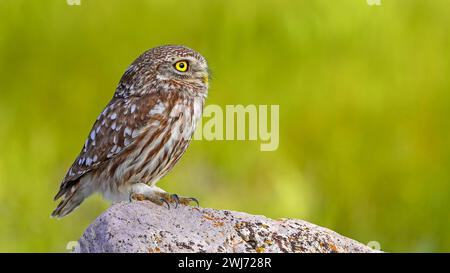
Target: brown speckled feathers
144, 129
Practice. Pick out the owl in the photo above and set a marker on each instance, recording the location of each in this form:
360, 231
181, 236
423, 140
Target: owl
142, 132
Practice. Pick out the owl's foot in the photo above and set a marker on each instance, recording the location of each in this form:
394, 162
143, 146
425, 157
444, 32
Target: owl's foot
151, 198
174, 198
141, 192
158, 196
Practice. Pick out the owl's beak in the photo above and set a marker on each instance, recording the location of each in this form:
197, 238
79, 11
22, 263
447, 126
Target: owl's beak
206, 76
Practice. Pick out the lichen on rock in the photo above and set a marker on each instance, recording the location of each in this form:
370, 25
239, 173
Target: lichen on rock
144, 227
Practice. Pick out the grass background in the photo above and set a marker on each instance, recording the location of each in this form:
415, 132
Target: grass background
364, 110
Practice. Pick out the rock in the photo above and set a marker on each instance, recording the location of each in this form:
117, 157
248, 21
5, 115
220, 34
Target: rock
141, 226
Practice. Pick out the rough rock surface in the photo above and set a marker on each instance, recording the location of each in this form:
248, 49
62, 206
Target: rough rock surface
145, 227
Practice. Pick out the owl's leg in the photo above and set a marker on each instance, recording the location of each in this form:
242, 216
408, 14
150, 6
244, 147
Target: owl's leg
141, 191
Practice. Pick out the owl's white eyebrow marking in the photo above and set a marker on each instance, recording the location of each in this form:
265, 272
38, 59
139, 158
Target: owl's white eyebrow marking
113, 116
133, 108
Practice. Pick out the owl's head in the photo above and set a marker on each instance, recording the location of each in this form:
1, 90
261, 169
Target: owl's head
166, 68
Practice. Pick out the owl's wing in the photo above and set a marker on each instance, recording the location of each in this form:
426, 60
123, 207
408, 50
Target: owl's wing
114, 131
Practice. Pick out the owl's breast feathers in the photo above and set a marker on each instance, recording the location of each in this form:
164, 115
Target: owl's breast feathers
129, 125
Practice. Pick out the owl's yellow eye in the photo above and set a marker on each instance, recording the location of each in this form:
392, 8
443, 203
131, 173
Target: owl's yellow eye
182, 66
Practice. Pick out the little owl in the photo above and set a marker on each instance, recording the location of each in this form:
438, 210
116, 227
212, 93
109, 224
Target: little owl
142, 132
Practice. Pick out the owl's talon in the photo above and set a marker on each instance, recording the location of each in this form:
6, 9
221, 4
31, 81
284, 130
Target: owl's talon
187, 200
164, 201
174, 197
195, 200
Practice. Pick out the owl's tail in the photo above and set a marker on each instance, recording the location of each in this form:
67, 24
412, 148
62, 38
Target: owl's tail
72, 196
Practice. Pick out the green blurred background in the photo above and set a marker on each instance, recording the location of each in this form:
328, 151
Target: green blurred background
364, 110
